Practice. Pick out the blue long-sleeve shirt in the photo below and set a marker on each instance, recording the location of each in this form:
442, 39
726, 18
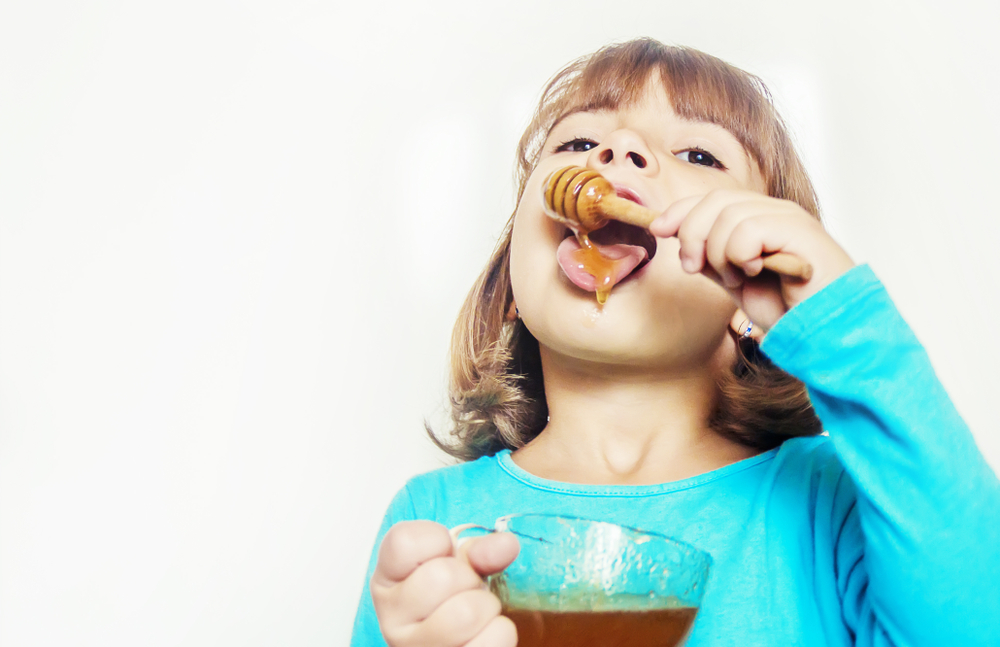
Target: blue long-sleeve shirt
887, 532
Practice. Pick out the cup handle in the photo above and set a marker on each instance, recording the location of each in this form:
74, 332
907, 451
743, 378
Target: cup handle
457, 539
456, 533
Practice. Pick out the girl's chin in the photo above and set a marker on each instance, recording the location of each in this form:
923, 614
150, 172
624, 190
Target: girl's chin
627, 330
608, 360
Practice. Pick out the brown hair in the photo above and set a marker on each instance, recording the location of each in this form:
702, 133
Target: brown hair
496, 391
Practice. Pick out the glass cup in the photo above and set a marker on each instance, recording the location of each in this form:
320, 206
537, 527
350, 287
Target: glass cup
581, 583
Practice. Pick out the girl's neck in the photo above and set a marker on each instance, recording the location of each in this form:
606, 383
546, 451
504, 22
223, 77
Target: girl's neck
628, 426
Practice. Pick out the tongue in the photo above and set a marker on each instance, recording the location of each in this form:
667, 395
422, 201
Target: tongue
618, 262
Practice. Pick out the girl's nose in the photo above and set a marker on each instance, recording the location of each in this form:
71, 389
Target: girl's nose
623, 147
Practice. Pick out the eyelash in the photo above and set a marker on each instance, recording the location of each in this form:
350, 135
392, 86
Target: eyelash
701, 151
566, 145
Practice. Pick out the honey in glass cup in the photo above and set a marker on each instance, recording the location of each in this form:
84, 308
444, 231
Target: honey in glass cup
581, 583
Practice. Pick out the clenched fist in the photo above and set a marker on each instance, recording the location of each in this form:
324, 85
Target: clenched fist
429, 594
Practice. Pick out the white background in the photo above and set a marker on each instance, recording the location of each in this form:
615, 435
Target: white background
234, 236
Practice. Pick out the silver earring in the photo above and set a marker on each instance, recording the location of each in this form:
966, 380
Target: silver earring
746, 333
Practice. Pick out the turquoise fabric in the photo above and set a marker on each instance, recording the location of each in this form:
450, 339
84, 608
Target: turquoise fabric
887, 532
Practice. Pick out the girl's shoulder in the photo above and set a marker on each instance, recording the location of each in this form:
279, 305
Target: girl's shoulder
467, 472
809, 468
453, 486
807, 453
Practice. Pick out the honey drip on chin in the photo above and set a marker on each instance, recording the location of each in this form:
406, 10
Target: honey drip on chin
593, 262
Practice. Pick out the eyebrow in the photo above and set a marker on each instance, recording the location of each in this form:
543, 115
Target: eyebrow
591, 108
572, 112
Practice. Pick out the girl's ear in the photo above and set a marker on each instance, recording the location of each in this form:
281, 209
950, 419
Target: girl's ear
512, 313
743, 327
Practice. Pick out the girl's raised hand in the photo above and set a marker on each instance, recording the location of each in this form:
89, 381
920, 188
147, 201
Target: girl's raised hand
428, 594
725, 235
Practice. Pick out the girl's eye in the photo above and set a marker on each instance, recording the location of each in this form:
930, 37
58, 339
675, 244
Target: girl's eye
576, 146
700, 157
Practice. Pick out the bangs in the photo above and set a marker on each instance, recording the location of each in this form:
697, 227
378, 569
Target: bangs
700, 87
704, 88
612, 79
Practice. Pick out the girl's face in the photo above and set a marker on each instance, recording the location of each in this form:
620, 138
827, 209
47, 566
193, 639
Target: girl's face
659, 315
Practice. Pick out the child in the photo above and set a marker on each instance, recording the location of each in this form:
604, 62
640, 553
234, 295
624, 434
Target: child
665, 409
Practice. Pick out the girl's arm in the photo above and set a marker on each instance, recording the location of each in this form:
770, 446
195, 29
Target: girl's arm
919, 557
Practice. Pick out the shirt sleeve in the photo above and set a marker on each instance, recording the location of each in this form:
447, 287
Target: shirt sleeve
366, 628
918, 555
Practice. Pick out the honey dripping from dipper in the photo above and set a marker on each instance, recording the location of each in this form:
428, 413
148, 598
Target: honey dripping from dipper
584, 201
597, 265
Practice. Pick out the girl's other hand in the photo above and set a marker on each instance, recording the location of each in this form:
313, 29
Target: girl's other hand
428, 594
725, 235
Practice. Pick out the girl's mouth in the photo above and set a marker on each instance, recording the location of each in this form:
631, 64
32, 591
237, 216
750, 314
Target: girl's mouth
627, 193
619, 233
627, 248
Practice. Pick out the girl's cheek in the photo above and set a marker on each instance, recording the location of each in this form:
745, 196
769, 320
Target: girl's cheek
531, 219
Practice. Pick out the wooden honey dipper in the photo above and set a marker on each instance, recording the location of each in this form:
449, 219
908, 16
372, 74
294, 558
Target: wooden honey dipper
583, 200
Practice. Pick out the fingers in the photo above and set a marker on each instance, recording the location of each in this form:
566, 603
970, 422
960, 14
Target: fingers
724, 234
719, 242
436, 580
407, 545
732, 236
692, 221
670, 221
458, 620
427, 588
427, 593
752, 231
706, 229
491, 553
498, 632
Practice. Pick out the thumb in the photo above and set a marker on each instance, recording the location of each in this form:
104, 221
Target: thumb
491, 553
